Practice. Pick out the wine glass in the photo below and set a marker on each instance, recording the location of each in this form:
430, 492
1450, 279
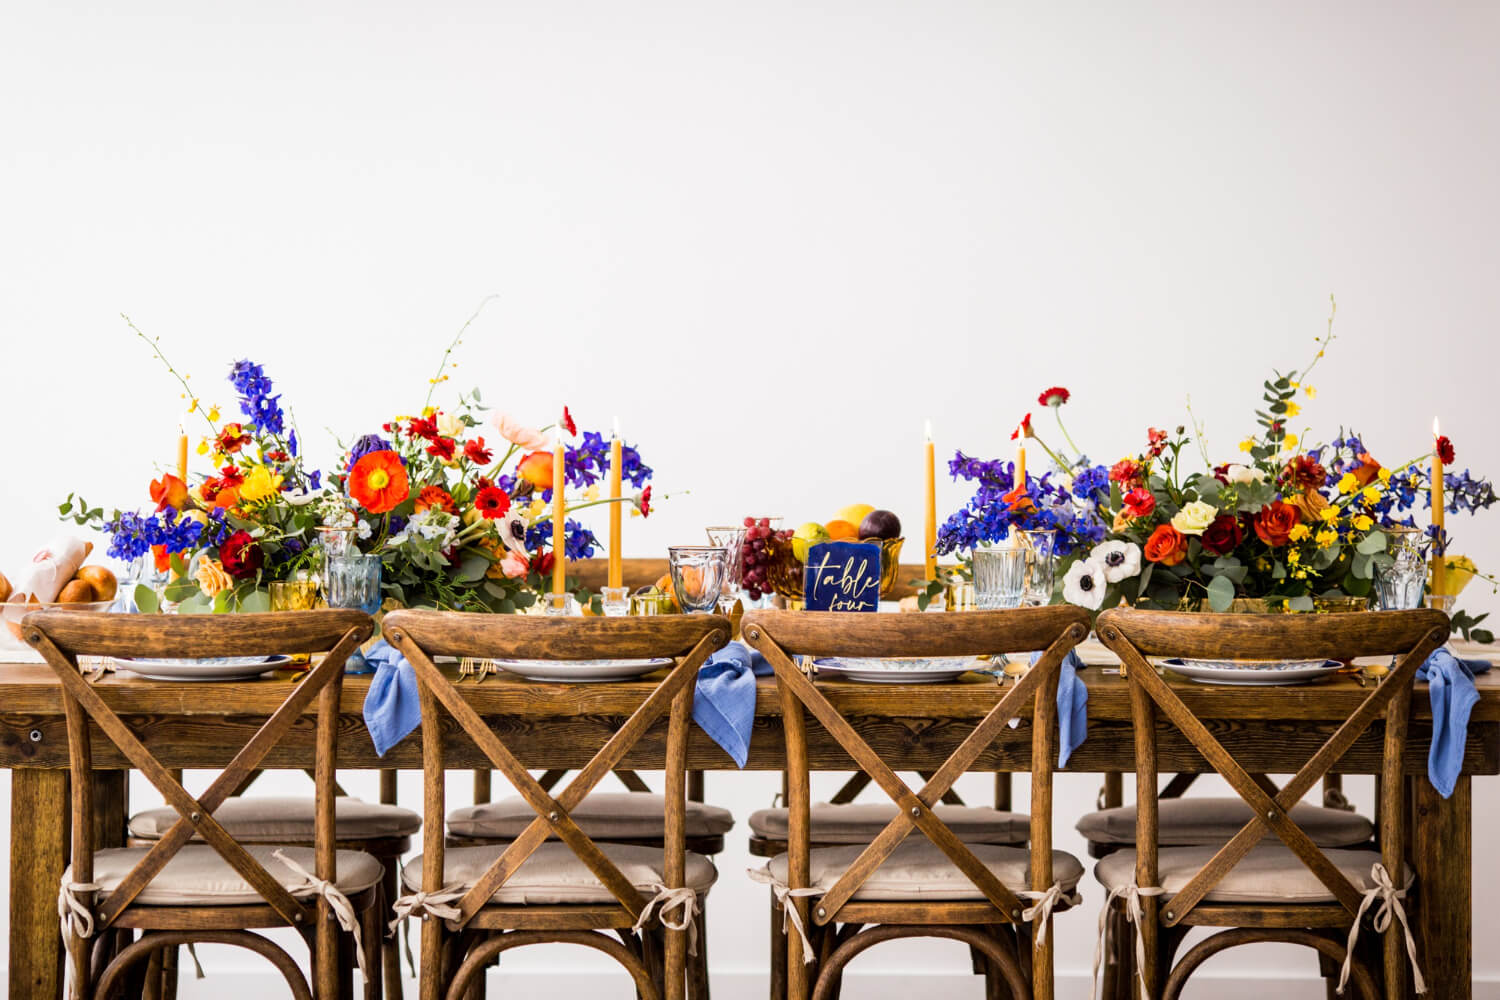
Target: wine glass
698, 573
732, 538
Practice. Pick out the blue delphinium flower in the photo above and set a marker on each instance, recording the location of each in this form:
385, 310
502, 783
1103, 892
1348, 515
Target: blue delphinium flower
256, 401
588, 462
132, 535
989, 516
366, 444
578, 542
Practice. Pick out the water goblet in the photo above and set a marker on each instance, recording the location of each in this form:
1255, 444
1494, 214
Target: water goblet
732, 538
698, 573
999, 577
1399, 586
352, 580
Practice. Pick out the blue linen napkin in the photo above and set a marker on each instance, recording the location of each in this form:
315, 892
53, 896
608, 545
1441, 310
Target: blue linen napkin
392, 708
724, 699
1072, 707
1450, 687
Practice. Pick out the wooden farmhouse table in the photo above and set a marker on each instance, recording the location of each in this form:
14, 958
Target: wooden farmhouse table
1269, 730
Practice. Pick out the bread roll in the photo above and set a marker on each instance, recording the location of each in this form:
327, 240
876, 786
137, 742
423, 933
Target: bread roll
102, 580
76, 592
4, 589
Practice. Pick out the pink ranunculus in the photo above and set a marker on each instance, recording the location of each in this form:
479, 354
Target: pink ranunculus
517, 433
514, 565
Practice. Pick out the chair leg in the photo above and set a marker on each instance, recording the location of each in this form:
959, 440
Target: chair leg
153, 976
698, 964
778, 952
372, 932
169, 972
390, 946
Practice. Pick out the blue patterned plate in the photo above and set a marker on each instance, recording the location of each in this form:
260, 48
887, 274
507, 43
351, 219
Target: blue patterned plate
209, 668
900, 670
1252, 673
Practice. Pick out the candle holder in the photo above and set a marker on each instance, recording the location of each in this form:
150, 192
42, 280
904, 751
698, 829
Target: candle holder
559, 605
616, 601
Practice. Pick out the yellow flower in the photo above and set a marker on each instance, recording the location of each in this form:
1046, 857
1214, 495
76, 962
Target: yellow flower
203, 447
1362, 522
1298, 533
1247, 445
1292, 409
213, 414
536, 510
1385, 475
1300, 574
259, 484
1325, 538
1294, 557
1348, 483
1370, 495
1289, 442
592, 493
1311, 392
1328, 515
211, 577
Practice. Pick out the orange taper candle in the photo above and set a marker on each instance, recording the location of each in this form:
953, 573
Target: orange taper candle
616, 459
929, 534
559, 517
1439, 569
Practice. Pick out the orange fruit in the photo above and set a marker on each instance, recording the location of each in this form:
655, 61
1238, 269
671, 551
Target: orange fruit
840, 530
664, 585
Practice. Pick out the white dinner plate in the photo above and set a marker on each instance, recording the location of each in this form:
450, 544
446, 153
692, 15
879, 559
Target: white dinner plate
1253, 673
582, 671
900, 669
213, 668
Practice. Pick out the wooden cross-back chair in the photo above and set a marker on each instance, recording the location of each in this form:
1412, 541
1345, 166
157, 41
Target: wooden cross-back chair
476, 926
174, 892
782, 636
1296, 892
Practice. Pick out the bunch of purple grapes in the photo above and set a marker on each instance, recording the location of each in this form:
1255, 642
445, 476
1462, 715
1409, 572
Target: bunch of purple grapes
755, 557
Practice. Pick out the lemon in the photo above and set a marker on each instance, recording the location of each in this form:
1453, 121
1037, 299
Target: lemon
854, 514
810, 534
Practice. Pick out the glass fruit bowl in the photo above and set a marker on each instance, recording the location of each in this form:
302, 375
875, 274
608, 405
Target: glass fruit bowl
786, 571
12, 612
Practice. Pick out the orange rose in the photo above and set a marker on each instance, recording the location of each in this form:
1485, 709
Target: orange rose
1275, 522
169, 491
211, 577
1308, 503
378, 482
1166, 545
536, 469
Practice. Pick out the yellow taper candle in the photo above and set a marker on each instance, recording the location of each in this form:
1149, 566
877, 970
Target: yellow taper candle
1439, 570
1020, 482
182, 444
616, 562
929, 533
559, 517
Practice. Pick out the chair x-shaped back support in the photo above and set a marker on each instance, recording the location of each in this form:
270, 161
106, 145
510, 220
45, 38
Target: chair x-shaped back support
1134, 635
61, 636
420, 635
1056, 630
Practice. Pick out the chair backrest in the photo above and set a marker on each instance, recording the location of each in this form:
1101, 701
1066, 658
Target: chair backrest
1136, 635
423, 635
783, 635
63, 636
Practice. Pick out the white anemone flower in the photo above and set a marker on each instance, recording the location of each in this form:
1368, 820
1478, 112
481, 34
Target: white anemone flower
1084, 584
1119, 560
512, 531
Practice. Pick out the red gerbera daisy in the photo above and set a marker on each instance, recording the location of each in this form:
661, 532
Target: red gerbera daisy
1055, 396
567, 422
1445, 450
646, 502
476, 452
442, 448
1023, 429
492, 502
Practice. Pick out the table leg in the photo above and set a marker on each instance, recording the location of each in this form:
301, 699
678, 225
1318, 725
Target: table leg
111, 807
39, 838
1442, 849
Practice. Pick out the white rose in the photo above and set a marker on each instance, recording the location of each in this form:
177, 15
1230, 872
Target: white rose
1084, 584
1243, 474
1118, 560
1193, 518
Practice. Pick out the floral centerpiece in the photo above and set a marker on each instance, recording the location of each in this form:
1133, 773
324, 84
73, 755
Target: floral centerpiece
456, 502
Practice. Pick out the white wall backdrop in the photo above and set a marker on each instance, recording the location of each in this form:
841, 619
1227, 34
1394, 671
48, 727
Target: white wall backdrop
691, 212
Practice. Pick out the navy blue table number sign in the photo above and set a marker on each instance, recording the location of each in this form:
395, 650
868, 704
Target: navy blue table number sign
842, 576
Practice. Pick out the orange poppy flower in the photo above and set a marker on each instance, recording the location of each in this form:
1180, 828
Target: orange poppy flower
378, 482
169, 491
536, 469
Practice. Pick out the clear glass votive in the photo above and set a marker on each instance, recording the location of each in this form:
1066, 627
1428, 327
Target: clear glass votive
559, 605
616, 601
1000, 577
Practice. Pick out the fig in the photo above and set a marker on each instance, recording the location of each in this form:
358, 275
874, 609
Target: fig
882, 524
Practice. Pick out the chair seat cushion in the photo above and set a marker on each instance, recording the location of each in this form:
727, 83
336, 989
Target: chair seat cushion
918, 870
198, 876
1270, 873
1188, 821
859, 822
553, 873
272, 820
601, 816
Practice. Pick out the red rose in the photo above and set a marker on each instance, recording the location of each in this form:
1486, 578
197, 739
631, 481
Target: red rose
1166, 545
1055, 396
476, 452
542, 563
1223, 535
1126, 472
1444, 451
240, 555
1139, 502
1275, 522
